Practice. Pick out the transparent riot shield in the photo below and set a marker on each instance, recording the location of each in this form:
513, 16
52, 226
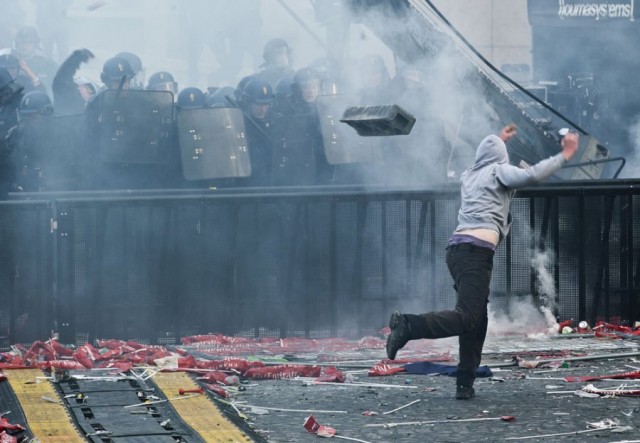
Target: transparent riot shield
342, 144
136, 126
51, 153
212, 143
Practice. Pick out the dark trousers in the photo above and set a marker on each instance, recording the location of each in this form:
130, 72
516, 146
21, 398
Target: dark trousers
470, 266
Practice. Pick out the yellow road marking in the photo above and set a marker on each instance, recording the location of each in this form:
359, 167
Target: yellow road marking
199, 412
48, 422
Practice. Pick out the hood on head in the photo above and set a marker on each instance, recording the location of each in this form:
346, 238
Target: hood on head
491, 150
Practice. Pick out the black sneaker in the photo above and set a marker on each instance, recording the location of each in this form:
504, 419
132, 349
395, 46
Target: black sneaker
400, 334
465, 393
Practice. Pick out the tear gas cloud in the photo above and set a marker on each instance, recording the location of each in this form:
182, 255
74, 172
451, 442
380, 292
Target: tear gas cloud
206, 43
212, 44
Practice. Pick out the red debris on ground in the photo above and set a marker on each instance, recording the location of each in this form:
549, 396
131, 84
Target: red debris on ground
624, 375
609, 330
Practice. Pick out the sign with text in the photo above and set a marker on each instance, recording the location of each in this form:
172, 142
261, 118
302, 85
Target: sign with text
581, 12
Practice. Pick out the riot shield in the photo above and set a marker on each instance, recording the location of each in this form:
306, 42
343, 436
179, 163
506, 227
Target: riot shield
51, 153
212, 143
136, 126
342, 144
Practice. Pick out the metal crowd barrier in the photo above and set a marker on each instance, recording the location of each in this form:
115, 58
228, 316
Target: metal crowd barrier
155, 266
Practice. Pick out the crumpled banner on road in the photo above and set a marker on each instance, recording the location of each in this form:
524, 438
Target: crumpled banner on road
5, 425
283, 371
609, 330
423, 367
218, 344
623, 375
123, 356
616, 392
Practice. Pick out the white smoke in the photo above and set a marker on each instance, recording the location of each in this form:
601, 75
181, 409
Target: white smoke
542, 262
522, 317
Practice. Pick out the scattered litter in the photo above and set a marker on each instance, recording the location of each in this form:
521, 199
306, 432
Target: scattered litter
620, 391
360, 385
147, 403
536, 363
306, 411
401, 407
586, 394
622, 429
312, 425
191, 391
607, 424
625, 375
102, 432
51, 399
507, 418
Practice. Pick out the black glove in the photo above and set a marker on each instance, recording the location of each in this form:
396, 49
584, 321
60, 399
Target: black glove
83, 54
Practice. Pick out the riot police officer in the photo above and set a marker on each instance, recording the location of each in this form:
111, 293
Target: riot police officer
27, 45
305, 162
116, 74
30, 175
277, 61
255, 102
10, 97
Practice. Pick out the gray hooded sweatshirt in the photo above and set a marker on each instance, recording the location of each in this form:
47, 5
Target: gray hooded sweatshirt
488, 187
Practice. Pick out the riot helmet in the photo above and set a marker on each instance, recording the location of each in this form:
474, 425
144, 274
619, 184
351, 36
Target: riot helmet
190, 98
162, 81
257, 91
241, 84
35, 103
257, 98
136, 66
114, 71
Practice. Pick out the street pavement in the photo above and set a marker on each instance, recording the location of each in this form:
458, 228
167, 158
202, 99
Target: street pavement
515, 404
